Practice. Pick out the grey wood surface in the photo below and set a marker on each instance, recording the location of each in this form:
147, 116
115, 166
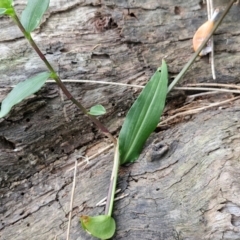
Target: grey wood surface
192, 192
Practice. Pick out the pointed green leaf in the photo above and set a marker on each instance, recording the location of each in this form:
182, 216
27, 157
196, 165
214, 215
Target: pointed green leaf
102, 226
32, 14
21, 91
97, 110
143, 116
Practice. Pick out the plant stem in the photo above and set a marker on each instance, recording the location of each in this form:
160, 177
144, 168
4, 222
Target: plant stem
113, 183
190, 62
58, 80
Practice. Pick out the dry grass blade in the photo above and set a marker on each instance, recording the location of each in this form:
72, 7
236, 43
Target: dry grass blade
71, 202
213, 85
87, 159
100, 203
210, 12
207, 89
197, 110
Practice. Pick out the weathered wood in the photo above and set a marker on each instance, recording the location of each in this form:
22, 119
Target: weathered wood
190, 193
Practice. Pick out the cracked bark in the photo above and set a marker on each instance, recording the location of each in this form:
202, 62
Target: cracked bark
192, 192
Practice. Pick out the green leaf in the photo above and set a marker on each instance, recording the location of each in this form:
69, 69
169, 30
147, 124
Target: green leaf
2, 10
21, 91
5, 3
6, 7
97, 110
32, 14
143, 116
102, 226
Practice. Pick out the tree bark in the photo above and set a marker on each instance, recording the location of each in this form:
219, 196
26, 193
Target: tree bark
191, 192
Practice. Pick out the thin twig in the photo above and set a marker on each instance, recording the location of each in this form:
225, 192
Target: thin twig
71, 202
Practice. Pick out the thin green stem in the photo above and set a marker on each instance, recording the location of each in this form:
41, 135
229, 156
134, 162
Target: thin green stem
58, 80
113, 183
190, 62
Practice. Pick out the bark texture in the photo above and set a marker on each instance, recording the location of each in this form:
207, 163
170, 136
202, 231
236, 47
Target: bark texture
192, 192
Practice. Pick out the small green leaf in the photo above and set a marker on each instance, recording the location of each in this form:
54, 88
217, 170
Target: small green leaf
5, 3
21, 91
143, 116
6, 7
102, 226
32, 14
97, 110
